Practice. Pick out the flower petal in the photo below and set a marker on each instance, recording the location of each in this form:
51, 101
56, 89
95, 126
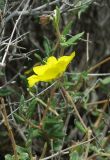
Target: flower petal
50, 74
32, 80
67, 59
64, 61
51, 60
39, 70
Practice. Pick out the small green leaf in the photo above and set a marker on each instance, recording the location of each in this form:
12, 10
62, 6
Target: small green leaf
67, 28
6, 91
31, 108
53, 127
84, 75
105, 81
84, 5
8, 157
38, 57
80, 127
2, 4
56, 18
62, 39
72, 40
74, 156
21, 150
22, 103
23, 155
83, 9
47, 46
1, 73
24, 79
19, 118
34, 133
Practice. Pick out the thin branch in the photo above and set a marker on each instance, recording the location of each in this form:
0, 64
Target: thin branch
33, 11
67, 149
90, 74
99, 64
98, 102
6, 123
87, 47
12, 79
69, 99
14, 103
6, 52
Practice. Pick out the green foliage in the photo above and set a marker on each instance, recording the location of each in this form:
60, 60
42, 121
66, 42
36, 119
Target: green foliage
73, 40
54, 127
2, 4
8, 157
105, 84
79, 126
31, 108
105, 81
26, 108
67, 28
74, 156
38, 57
22, 104
83, 6
56, 18
18, 118
47, 46
1, 73
22, 154
24, 80
6, 91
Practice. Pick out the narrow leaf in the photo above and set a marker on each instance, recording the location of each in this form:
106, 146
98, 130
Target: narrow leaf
67, 28
72, 40
74, 156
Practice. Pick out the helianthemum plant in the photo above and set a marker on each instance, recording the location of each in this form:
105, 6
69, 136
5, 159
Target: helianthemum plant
53, 69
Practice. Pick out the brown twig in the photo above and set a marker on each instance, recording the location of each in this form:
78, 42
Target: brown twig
75, 108
45, 113
2, 64
99, 64
32, 11
98, 121
67, 149
98, 102
89, 133
6, 123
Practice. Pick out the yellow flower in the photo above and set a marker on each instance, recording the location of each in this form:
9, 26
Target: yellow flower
53, 69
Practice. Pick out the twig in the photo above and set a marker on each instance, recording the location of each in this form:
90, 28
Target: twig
11, 80
32, 11
6, 123
2, 64
42, 91
87, 47
88, 144
99, 64
67, 149
44, 151
97, 123
90, 74
23, 56
19, 129
14, 103
80, 5
98, 102
75, 108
